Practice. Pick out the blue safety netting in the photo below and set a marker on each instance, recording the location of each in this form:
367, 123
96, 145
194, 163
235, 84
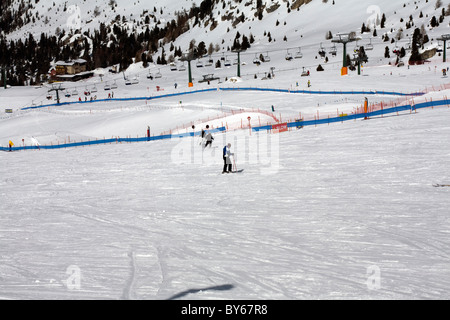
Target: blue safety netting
346, 117
370, 92
110, 141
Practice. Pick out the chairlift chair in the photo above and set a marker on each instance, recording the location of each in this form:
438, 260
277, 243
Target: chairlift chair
333, 50
356, 49
256, 60
199, 64
94, 89
369, 46
135, 80
209, 63
299, 54
173, 66
408, 46
158, 74
114, 85
322, 51
267, 57
396, 49
182, 67
304, 73
288, 56
227, 63
107, 87
75, 92
67, 94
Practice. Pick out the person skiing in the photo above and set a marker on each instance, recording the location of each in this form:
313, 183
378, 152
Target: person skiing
226, 159
209, 139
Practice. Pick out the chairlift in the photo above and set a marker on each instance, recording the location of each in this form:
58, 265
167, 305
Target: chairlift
182, 67
288, 56
107, 87
128, 82
256, 60
114, 85
408, 46
67, 94
235, 62
356, 49
333, 50
369, 46
94, 89
305, 73
396, 49
209, 63
173, 66
227, 63
199, 64
322, 52
75, 92
267, 57
49, 97
150, 76
439, 47
158, 74
299, 54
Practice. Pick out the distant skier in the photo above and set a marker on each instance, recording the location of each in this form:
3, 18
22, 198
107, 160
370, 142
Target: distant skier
209, 139
11, 144
226, 159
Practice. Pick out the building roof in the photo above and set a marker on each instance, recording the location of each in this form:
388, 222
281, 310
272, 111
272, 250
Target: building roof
70, 63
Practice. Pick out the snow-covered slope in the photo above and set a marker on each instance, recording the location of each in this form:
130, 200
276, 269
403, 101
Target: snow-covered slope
348, 211
340, 211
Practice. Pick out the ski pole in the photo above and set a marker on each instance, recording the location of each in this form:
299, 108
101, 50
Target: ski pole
234, 162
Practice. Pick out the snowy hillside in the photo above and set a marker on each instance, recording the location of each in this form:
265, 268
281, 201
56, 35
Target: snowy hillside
343, 210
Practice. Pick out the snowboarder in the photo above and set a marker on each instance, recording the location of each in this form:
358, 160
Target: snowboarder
209, 139
226, 159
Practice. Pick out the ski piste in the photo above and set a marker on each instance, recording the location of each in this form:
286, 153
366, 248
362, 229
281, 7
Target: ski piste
235, 171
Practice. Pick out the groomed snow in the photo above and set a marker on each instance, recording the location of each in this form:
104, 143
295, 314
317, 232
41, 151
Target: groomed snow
340, 211
143, 221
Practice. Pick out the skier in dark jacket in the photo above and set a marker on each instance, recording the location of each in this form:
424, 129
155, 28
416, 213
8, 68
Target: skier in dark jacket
209, 139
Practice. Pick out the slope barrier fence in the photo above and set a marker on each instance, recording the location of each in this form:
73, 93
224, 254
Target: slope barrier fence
168, 95
378, 110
